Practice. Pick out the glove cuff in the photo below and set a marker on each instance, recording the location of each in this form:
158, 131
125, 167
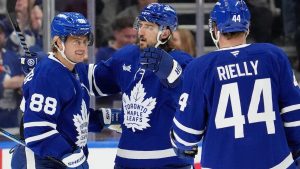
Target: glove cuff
175, 72
75, 159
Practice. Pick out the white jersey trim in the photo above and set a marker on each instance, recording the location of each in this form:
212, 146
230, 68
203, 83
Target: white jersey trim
40, 124
181, 141
144, 155
175, 73
292, 124
290, 108
30, 160
41, 136
285, 163
22, 104
187, 129
92, 80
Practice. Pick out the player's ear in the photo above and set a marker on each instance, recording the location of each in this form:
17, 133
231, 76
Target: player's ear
57, 42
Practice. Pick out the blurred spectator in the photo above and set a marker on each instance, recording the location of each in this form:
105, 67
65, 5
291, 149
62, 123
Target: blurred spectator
2, 9
261, 20
32, 33
297, 34
289, 20
35, 30
123, 34
11, 80
134, 10
183, 39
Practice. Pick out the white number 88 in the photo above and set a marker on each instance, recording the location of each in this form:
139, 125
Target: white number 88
36, 104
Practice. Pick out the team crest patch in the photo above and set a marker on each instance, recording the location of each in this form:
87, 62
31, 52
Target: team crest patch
137, 109
81, 121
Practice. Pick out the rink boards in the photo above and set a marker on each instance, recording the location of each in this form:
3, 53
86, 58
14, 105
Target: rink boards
102, 154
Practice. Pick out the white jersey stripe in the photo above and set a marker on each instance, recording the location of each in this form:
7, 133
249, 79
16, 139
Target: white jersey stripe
181, 141
292, 124
187, 129
285, 163
30, 160
92, 81
290, 108
40, 124
41, 136
155, 154
90, 77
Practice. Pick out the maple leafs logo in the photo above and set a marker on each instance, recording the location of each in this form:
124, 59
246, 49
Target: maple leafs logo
137, 109
81, 121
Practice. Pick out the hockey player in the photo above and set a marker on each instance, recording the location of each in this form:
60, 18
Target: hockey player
148, 75
56, 100
242, 99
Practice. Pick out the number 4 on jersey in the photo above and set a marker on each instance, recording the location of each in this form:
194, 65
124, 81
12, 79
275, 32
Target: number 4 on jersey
231, 92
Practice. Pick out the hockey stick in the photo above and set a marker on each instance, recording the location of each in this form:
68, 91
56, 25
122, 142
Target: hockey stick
10, 6
21, 142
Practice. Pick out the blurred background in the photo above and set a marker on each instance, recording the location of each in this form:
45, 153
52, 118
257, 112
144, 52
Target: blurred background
273, 21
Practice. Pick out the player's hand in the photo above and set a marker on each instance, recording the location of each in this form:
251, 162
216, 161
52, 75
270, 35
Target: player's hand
76, 160
28, 63
161, 63
182, 151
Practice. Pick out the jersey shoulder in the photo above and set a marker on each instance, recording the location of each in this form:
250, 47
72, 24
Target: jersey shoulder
181, 57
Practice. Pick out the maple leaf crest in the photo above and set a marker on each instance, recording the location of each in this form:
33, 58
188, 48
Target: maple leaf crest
81, 121
137, 109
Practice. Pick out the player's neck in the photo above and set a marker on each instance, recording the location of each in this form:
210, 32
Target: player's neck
226, 43
67, 64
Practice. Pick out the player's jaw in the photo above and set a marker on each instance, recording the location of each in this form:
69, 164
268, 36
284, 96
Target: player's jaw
145, 42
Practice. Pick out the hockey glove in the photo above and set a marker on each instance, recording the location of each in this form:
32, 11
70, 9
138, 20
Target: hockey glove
76, 160
109, 116
187, 152
28, 63
161, 63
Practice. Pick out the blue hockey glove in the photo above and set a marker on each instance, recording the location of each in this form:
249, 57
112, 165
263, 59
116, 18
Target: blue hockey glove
28, 63
161, 63
76, 160
188, 152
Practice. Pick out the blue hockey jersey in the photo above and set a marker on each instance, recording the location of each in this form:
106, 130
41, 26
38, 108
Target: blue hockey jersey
148, 108
56, 108
245, 104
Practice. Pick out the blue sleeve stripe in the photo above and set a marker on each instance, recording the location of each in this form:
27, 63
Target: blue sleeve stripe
40, 136
187, 129
40, 124
292, 124
290, 108
181, 141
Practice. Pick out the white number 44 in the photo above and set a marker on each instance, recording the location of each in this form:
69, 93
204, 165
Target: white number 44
236, 18
231, 92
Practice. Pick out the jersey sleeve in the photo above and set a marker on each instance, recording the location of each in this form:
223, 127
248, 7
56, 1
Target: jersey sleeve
42, 108
189, 120
289, 102
103, 78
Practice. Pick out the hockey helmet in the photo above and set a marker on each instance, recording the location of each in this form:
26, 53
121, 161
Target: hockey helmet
230, 16
160, 14
71, 23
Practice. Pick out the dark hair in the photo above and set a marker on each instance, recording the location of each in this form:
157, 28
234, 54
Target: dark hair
122, 23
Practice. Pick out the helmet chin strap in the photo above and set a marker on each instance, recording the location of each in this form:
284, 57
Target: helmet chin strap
216, 40
159, 42
62, 52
